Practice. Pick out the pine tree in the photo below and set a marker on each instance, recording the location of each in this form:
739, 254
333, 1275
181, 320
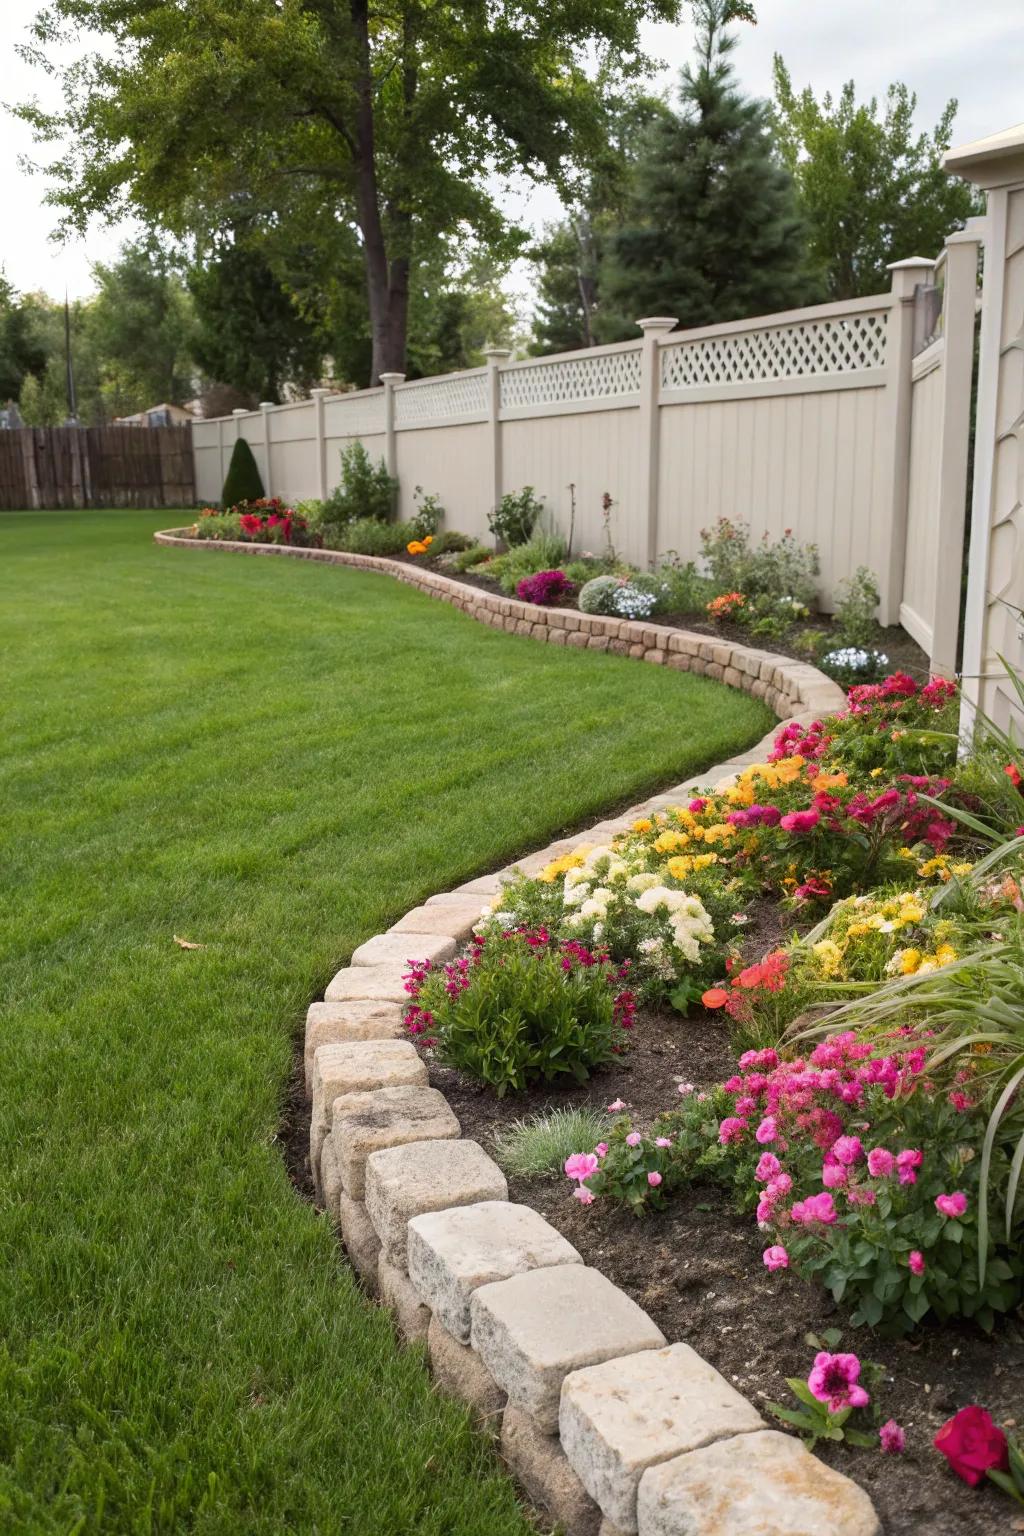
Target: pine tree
243, 481
713, 230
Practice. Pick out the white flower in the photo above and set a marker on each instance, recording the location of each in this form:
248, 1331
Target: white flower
642, 882
658, 898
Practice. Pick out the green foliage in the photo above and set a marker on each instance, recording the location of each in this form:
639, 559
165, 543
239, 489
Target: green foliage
541, 1143
242, 481
475, 555
366, 490
871, 189
515, 517
713, 230
782, 569
598, 595
428, 517
518, 1017
855, 605
541, 552
450, 542
369, 536
685, 590
21, 353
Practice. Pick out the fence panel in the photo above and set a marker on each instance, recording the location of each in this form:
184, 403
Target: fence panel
96, 467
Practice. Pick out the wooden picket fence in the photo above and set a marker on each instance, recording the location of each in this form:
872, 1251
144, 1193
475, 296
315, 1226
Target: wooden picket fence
96, 467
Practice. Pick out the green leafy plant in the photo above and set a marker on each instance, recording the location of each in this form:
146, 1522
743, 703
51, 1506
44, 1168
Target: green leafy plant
515, 517
541, 552
598, 594
243, 481
366, 490
855, 604
369, 536
428, 514
542, 1143
451, 542
782, 568
833, 1394
476, 554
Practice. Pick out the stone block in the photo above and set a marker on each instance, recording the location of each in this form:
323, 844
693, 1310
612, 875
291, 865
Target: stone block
403, 1182
412, 1318
621, 1417
455, 920
389, 1117
361, 1241
483, 885
452, 1252
657, 657
535, 1328
766, 1484
330, 1179
357, 1066
335, 1023
461, 1373
542, 1468
398, 949
368, 983
577, 638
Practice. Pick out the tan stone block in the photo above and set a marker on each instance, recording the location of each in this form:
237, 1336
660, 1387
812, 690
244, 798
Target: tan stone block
361, 1241
406, 1181
367, 983
577, 638
411, 1316
460, 1372
395, 949
363, 1123
542, 1468
656, 657
357, 1066
452, 920
334, 1023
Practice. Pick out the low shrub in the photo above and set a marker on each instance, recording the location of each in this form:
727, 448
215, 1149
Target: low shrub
476, 554
368, 536
598, 594
521, 1008
685, 590
516, 516
366, 491
541, 552
542, 1143
451, 542
546, 588
772, 569
428, 514
266, 521
856, 601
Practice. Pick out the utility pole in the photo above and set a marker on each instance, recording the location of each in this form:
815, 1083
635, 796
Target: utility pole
69, 369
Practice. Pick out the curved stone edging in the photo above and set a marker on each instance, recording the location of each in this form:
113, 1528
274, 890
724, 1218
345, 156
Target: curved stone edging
790, 688
611, 1429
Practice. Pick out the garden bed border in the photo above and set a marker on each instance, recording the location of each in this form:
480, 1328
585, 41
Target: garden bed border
662, 1441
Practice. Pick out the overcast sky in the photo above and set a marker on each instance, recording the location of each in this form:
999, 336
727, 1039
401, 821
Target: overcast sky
940, 48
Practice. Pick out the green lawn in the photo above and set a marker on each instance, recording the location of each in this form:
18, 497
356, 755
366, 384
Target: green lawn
275, 759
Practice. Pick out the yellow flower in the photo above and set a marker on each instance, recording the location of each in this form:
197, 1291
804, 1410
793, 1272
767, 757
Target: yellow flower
910, 961
644, 824
669, 841
558, 866
416, 547
721, 832
830, 781
789, 769
875, 774
829, 957
945, 954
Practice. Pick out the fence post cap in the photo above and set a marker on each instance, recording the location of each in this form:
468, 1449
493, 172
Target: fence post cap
658, 323
391, 378
268, 405
497, 352
241, 410
316, 394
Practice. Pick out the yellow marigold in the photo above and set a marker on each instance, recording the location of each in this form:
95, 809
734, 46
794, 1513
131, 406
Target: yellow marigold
829, 957
960, 869
558, 866
789, 769
910, 961
876, 773
740, 794
683, 865
668, 841
945, 954
721, 832
416, 547
643, 824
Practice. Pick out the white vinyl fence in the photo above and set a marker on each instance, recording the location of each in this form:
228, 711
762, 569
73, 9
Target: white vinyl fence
801, 421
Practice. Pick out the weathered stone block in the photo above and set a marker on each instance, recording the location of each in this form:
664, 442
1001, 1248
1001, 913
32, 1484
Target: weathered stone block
483, 885
330, 1179
398, 949
361, 1241
766, 1484
452, 1252
454, 920
406, 1181
460, 1372
411, 1316
533, 1329
621, 1417
335, 1023
389, 1117
357, 1066
368, 983
542, 1468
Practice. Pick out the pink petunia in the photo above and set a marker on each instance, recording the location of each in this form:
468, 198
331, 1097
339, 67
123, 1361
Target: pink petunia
654, 1179
834, 1381
775, 1257
915, 1261
633, 1139
951, 1205
584, 1195
881, 1163
892, 1439
601, 1150
615, 1106
768, 1166
662, 1141
767, 1130
907, 1162
581, 1165
848, 1150
731, 1130
800, 821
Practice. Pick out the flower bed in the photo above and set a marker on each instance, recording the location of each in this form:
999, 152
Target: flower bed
827, 1129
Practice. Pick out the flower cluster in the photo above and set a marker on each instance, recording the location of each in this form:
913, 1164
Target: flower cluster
546, 588
726, 605
420, 546
263, 521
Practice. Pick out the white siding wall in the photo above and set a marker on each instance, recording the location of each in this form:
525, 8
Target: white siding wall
919, 583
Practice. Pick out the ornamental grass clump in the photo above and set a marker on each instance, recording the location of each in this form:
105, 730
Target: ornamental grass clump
522, 1007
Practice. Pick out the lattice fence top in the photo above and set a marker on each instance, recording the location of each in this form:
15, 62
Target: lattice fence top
599, 377
357, 415
460, 394
811, 347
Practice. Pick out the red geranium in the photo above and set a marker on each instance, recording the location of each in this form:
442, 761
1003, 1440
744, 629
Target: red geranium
973, 1444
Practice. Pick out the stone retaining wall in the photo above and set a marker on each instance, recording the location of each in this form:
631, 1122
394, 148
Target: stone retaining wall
611, 1429
788, 687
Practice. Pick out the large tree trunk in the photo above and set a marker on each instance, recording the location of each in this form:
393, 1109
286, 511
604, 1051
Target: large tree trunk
387, 285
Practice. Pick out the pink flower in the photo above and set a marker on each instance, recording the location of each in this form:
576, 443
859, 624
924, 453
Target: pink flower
616, 1105
662, 1141
765, 1209
780, 1185
633, 1139
959, 1101
915, 1260
731, 1130
833, 1175
581, 1165
834, 1381
776, 1257
684, 1088
584, 1195
862, 1197
815, 1208
907, 1161
881, 1163
768, 1166
601, 1149
654, 1179
848, 1150
800, 821
892, 1439
767, 1130
951, 1205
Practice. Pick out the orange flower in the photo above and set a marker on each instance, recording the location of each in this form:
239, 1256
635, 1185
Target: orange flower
416, 547
830, 781
715, 997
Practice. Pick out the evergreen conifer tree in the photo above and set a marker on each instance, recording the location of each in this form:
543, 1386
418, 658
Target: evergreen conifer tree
243, 481
713, 231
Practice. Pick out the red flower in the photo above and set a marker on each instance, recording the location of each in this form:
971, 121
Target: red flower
715, 997
972, 1444
1013, 773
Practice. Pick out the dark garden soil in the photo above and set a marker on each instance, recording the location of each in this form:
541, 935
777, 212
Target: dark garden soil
904, 654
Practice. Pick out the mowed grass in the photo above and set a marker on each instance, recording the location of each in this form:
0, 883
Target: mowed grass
273, 759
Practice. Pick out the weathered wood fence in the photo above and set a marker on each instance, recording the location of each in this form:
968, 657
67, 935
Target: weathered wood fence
96, 467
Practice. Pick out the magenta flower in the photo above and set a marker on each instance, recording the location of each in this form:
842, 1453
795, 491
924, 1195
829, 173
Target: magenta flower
601, 1149
814, 1208
951, 1205
654, 1179
907, 1162
833, 1175
834, 1381
767, 1130
915, 1260
731, 1130
776, 1257
892, 1439
800, 821
584, 1195
633, 1139
881, 1163
616, 1104
848, 1150
768, 1166
580, 1165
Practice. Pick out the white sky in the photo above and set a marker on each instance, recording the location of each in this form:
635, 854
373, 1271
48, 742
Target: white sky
940, 48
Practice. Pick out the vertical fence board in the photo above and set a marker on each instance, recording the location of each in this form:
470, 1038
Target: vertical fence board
65, 467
